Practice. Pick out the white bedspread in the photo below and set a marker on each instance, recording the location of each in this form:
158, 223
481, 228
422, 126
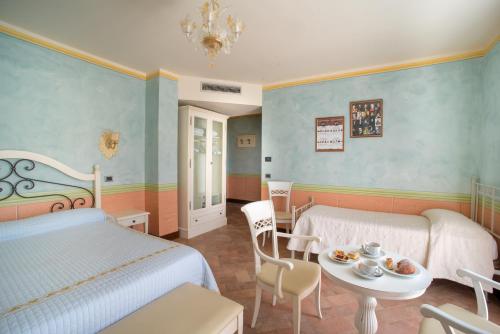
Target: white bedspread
404, 234
442, 241
84, 275
458, 242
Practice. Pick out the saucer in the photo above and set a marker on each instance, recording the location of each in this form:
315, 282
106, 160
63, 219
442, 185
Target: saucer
366, 276
371, 256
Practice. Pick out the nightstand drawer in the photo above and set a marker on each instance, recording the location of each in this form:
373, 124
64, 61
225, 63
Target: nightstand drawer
132, 220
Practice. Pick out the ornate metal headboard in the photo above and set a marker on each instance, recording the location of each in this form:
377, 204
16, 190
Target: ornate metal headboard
485, 207
15, 165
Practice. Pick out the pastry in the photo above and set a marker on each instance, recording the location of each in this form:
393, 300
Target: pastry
340, 255
389, 264
353, 255
405, 267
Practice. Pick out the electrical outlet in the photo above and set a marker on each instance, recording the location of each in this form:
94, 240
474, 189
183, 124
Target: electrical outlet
108, 179
267, 159
268, 176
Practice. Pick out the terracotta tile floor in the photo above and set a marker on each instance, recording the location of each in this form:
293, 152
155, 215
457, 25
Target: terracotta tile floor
228, 250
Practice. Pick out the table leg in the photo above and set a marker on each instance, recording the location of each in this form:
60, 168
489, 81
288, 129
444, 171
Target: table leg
366, 319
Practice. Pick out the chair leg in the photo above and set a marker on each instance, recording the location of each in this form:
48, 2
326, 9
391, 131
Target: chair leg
240, 323
293, 254
274, 300
296, 314
317, 297
258, 296
264, 238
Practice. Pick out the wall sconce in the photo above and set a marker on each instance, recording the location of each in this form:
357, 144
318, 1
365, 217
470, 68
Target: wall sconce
109, 143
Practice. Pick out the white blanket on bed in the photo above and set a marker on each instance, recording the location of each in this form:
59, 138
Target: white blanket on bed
458, 242
404, 234
442, 242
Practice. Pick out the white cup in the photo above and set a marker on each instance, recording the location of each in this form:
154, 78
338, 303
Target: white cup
372, 248
368, 267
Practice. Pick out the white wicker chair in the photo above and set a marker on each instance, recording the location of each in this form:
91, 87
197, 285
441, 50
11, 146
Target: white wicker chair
293, 278
448, 317
281, 189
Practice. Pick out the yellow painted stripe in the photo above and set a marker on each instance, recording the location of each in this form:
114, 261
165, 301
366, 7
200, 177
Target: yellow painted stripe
383, 69
161, 187
70, 52
161, 73
422, 195
487, 203
83, 56
492, 45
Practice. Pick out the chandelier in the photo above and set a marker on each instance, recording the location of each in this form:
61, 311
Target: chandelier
212, 35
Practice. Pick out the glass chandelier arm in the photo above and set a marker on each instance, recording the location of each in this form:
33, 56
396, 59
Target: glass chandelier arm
188, 27
212, 35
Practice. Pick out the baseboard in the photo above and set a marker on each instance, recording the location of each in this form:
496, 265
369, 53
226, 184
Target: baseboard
171, 236
239, 201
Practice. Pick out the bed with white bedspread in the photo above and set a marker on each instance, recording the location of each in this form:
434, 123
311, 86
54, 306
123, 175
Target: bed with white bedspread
440, 240
73, 272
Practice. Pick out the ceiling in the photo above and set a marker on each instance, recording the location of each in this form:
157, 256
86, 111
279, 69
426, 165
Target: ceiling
230, 109
283, 40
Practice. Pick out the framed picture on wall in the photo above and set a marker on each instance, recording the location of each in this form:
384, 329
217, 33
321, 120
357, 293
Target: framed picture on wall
246, 141
366, 118
330, 134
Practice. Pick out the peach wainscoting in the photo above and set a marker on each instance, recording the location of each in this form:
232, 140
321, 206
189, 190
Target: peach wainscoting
487, 216
110, 203
161, 203
243, 187
387, 201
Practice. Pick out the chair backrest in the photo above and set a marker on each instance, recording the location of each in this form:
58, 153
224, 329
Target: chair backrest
260, 218
280, 189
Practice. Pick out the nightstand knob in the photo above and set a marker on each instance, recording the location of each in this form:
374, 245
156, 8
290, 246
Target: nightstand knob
133, 221
196, 220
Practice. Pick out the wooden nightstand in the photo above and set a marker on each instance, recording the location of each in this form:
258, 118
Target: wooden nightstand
132, 217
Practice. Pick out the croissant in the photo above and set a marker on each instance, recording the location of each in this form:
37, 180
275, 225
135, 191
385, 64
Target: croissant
405, 267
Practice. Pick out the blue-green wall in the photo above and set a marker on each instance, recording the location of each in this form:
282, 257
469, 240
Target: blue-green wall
58, 105
167, 136
161, 131
244, 160
430, 141
490, 120
152, 129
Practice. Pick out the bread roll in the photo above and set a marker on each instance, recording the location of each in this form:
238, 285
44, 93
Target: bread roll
405, 267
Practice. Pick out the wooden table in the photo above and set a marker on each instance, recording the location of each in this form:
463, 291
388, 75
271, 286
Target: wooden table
388, 286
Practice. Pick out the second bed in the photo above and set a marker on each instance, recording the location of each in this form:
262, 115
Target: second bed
441, 240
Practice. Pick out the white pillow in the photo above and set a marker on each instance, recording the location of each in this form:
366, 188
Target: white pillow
445, 216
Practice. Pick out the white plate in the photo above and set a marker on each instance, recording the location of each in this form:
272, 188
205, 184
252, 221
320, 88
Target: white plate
381, 254
415, 274
333, 258
365, 276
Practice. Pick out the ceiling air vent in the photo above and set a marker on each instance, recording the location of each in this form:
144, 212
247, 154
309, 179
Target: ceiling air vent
213, 87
